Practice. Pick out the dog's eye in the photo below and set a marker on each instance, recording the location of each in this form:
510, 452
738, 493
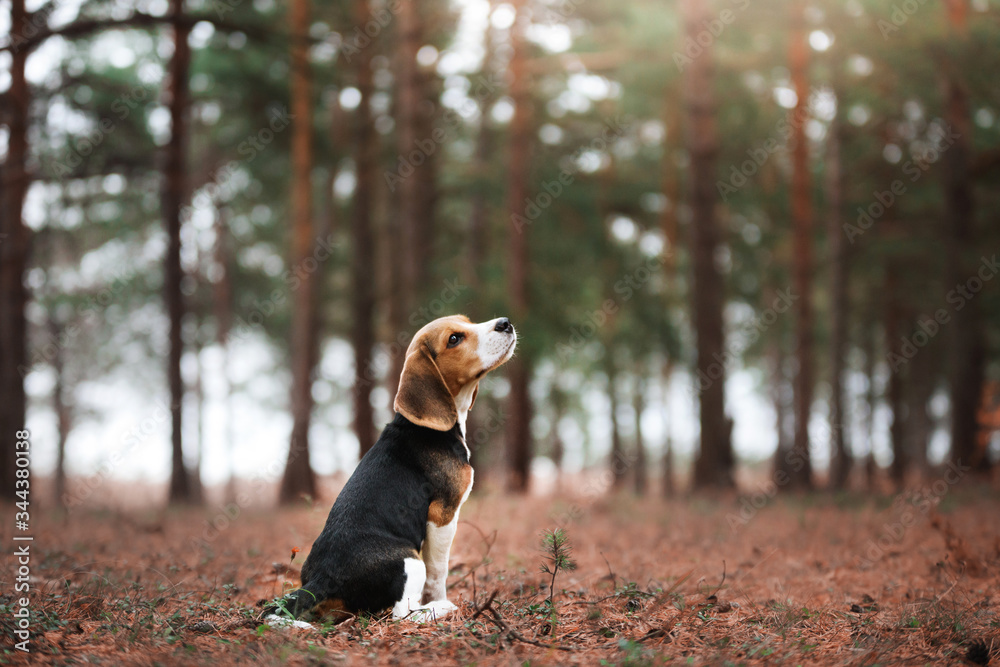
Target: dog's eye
455, 339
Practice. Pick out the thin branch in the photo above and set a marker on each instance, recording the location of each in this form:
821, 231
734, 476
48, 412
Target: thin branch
137, 20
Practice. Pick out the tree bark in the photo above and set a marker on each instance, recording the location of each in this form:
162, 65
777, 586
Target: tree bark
671, 188
840, 468
640, 478
777, 355
559, 400
174, 192
967, 348
617, 460
61, 407
714, 464
518, 424
897, 431
668, 445
15, 245
871, 399
222, 303
923, 369
798, 56
404, 239
479, 221
363, 252
299, 478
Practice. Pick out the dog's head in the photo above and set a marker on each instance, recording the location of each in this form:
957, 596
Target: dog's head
446, 359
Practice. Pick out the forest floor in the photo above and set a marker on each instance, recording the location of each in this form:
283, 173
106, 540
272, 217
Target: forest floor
816, 579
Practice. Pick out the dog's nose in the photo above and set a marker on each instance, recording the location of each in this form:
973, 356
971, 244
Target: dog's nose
504, 326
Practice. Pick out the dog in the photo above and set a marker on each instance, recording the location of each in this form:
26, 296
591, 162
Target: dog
388, 537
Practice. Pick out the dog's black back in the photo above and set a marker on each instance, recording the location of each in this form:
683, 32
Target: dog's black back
380, 518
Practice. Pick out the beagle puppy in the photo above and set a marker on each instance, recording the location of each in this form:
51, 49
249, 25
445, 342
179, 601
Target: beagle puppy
387, 539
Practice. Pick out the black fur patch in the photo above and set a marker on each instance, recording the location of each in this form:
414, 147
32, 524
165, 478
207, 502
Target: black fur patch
380, 518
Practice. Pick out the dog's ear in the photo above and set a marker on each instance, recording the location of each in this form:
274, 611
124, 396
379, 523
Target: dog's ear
423, 396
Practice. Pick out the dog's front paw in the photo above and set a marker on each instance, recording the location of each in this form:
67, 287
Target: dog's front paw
432, 611
276, 621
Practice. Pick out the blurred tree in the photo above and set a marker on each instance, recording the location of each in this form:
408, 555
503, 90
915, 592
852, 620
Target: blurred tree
714, 465
15, 248
640, 467
408, 247
519, 444
182, 481
840, 460
967, 362
801, 209
363, 250
299, 479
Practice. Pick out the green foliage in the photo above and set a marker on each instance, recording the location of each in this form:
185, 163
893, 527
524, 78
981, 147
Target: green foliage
557, 556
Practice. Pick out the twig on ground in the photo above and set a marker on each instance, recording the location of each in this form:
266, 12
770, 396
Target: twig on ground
485, 605
511, 632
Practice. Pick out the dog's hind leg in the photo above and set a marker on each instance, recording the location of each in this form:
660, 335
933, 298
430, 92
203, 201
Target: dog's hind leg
413, 587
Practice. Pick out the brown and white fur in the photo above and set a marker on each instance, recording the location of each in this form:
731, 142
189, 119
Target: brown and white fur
388, 537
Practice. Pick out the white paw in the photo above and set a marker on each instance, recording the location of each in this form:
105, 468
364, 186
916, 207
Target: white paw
432, 611
276, 621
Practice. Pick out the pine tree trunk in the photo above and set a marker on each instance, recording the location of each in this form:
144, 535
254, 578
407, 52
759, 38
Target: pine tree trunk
479, 227
63, 415
897, 430
967, 348
174, 192
671, 189
519, 443
921, 389
871, 400
15, 246
801, 205
558, 446
405, 241
841, 455
714, 464
668, 445
363, 252
222, 304
617, 460
299, 479
776, 353
641, 475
